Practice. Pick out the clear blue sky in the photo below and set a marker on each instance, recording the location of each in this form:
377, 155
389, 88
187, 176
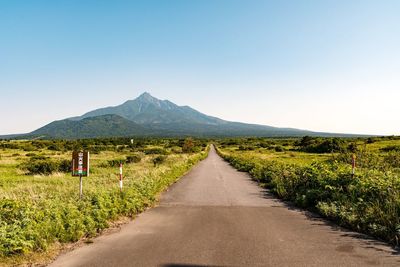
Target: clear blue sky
319, 65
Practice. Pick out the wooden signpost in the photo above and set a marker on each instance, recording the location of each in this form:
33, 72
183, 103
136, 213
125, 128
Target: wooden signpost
80, 167
353, 165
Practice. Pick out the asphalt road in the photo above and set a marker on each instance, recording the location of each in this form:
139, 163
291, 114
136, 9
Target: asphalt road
216, 216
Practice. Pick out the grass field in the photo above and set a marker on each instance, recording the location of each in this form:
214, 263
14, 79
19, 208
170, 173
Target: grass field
40, 210
39, 199
316, 173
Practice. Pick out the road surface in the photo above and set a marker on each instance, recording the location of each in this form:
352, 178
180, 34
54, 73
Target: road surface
216, 216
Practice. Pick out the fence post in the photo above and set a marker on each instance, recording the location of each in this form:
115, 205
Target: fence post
120, 176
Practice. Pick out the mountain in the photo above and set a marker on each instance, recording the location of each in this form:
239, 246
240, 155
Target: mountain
149, 116
147, 109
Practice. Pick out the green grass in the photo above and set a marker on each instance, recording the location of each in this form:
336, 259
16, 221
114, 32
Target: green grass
301, 158
37, 212
369, 202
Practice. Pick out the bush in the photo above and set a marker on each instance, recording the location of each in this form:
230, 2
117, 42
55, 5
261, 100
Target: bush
115, 162
392, 159
121, 148
188, 146
39, 144
45, 166
29, 147
391, 149
154, 151
159, 160
245, 148
133, 159
38, 157
40, 166
352, 147
55, 147
65, 166
9, 146
321, 145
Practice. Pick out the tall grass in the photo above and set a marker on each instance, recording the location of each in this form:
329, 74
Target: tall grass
369, 202
37, 211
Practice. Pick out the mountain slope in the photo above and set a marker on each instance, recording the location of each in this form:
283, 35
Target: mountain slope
101, 126
228, 129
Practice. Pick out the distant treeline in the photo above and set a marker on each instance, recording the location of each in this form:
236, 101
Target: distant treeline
96, 145
308, 144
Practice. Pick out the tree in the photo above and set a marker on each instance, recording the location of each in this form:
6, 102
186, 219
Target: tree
188, 145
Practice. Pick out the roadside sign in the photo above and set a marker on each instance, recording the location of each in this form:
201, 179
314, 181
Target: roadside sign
80, 167
80, 163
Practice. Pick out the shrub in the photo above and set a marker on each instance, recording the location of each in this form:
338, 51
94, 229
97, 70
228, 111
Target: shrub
40, 166
154, 151
176, 150
65, 166
245, 148
159, 160
133, 158
9, 146
352, 147
188, 146
38, 157
115, 162
392, 159
45, 166
39, 144
321, 145
29, 147
391, 148
121, 148
55, 147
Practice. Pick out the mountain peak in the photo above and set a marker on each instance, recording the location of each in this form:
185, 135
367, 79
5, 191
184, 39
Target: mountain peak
147, 97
